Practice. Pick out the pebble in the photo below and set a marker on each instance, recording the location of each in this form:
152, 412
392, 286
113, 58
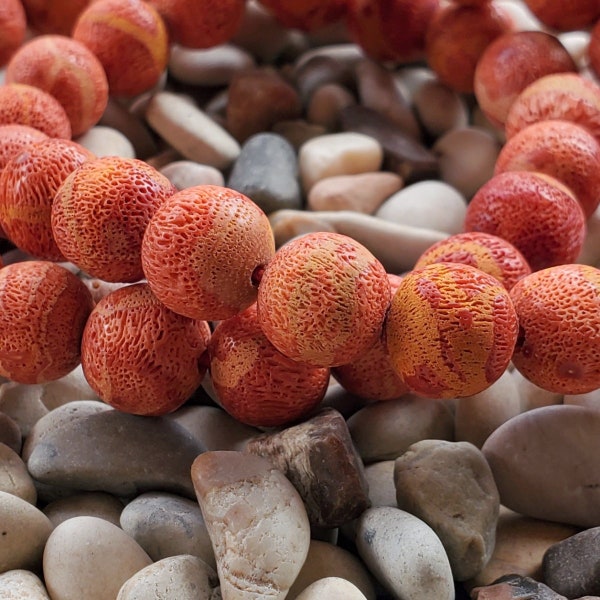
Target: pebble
331, 588
298, 131
591, 399
467, 157
590, 253
362, 193
324, 560
20, 584
119, 460
477, 417
88, 557
85, 504
385, 430
106, 141
267, 172
256, 521
536, 478
23, 404
187, 173
427, 204
533, 396
572, 566
338, 154
380, 478
210, 67
191, 131
326, 103
10, 434
24, 530
166, 525
14, 477
404, 554
450, 486
309, 75
514, 586
73, 386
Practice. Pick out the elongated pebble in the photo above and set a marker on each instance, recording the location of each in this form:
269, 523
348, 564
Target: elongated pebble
208, 67
256, 521
20, 584
331, 588
14, 476
84, 504
106, 141
404, 554
338, 154
187, 173
191, 131
88, 557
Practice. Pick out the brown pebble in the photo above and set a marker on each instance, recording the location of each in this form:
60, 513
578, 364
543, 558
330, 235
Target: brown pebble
326, 103
10, 434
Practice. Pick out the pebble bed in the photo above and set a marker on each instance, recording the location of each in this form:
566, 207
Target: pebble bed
489, 497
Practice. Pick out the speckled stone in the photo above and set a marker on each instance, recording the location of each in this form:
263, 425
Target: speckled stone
20, 584
267, 172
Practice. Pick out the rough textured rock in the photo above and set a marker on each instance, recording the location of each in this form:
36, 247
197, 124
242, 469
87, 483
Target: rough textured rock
20, 584
449, 485
532, 457
256, 521
85, 504
320, 460
404, 554
572, 567
14, 477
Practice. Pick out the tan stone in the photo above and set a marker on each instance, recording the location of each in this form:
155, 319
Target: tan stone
14, 477
84, 504
20, 584
331, 588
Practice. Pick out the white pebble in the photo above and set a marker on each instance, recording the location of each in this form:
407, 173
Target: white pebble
106, 141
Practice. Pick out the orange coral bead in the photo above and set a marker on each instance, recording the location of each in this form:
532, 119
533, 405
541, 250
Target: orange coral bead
558, 347
43, 311
13, 25
100, 213
254, 382
451, 330
14, 138
53, 16
139, 356
307, 15
322, 299
28, 185
202, 249
565, 16
489, 253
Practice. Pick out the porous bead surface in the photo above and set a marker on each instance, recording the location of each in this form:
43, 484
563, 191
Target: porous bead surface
559, 338
322, 299
139, 356
13, 26
451, 330
101, 211
201, 250
14, 138
43, 310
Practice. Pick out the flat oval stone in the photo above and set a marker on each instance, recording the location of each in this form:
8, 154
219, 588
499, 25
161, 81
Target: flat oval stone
24, 530
85, 504
182, 577
20, 584
325, 559
191, 131
256, 521
404, 554
167, 525
267, 172
431, 204
449, 485
187, 173
88, 557
10, 434
338, 154
532, 457
108, 451
385, 430
331, 588
364, 192
106, 141
208, 67
14, 476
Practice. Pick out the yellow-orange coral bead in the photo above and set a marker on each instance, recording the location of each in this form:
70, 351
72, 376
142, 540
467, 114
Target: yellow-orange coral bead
451, 330
139, 356
558, 347
322, 299
13, 26
43, 310
202, 250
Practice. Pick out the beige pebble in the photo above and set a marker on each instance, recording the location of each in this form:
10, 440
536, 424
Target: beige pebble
380, 477
88, 557
14, 476
10, 434
591, 399
325, 559
326, 103
191, 131
344, 53
208, 67
100, 288
590, 253
20, 584
85, 504
531, 395
428, 204
287, 224
24, 530
298, 131
338, 154
467, 157
73, 386
410, 78
476, 417
362, 193
518, 12
106, 141
187, 173
181, 577
23, 404
576, 44
331, 588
